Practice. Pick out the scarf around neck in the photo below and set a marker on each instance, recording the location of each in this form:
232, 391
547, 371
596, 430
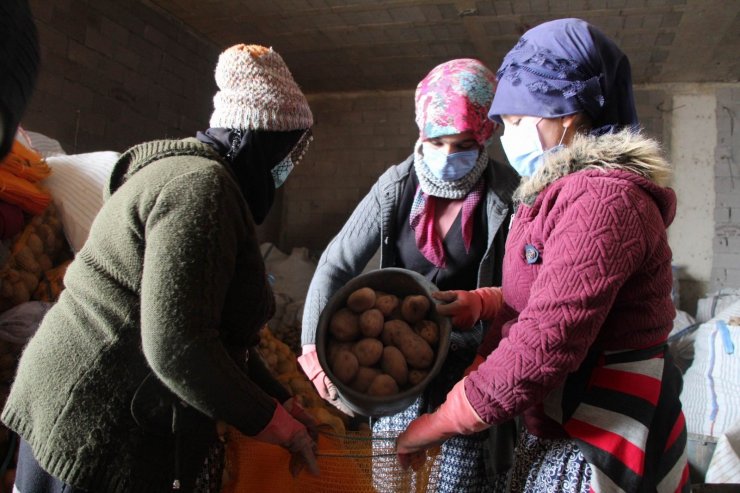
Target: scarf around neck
251, 155
421, 218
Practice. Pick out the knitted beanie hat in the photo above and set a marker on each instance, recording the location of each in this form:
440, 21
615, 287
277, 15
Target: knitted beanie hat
257, 92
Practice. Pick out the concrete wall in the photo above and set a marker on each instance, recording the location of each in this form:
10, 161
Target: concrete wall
694, 134
115, 73
726, 259
356, 138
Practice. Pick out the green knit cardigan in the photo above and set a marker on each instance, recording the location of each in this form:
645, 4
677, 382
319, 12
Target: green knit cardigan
152, 330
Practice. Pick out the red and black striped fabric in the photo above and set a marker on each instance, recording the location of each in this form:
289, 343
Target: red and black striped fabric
622, 408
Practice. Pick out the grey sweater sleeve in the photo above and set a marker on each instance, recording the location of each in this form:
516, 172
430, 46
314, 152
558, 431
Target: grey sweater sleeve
343, 259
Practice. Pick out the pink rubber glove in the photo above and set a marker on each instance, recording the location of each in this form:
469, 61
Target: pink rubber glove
309, 361
287, 432
454, 417
303, 416
467, 307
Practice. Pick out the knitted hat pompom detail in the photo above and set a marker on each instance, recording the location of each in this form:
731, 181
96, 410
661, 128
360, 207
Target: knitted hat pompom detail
257, 92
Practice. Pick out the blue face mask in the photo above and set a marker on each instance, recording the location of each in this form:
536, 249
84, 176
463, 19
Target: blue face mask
281, 171
450, 167
523, 148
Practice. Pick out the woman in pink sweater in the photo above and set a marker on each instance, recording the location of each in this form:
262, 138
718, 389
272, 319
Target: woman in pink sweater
576, 345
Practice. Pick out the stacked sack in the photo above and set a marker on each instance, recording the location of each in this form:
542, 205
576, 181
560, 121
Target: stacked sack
39, 249
290, 276
37, 242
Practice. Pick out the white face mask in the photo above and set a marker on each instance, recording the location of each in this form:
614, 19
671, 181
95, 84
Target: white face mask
450, 167
281, 171
523, 147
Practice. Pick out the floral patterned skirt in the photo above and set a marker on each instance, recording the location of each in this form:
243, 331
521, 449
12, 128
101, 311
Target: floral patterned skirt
462, 459
548, 466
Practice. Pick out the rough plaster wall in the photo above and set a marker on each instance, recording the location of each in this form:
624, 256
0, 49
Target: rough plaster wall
116, 73
694, 137
726, 260
356, 138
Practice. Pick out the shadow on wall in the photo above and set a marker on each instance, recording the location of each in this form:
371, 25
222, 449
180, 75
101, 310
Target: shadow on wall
687, 291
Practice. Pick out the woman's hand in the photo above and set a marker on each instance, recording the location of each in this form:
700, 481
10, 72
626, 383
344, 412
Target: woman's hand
467, 307
309, 362
454, 417
463, 307
284, 430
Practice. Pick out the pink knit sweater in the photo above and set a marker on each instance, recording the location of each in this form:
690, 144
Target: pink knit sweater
587, 266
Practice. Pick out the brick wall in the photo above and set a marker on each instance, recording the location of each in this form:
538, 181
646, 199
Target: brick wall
117, 72
357, 137
726, 259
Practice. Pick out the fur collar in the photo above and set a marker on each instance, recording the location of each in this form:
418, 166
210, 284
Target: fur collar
626, 150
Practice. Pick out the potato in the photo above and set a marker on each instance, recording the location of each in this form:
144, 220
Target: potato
429, 331
45, 262
364, 378
417, 352
390, 328
20, 293
345, 366
345, 325
6, 289
35, 244
333, 347
371, 322
414, 308
31, 281
27, 261
45, 233
394, 364
361, 300
386, 303
383, 385
368, 351
416, 376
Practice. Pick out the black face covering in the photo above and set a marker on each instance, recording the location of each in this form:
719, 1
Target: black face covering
251, 155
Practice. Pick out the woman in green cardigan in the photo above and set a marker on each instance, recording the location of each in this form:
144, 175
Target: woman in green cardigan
149, 345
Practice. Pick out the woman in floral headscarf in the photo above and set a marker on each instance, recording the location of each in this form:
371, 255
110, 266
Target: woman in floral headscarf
443, 212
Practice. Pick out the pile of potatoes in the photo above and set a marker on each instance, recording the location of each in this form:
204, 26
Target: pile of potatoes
36, 250
282, 363
380, 344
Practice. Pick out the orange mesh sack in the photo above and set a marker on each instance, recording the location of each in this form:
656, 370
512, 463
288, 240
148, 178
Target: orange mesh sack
38, 248
354, 462
20, 170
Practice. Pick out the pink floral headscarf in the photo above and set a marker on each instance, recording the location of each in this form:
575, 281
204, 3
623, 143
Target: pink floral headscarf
454, 98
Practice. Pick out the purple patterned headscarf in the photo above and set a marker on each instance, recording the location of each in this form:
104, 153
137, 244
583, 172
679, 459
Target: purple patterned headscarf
564, 67
454, 98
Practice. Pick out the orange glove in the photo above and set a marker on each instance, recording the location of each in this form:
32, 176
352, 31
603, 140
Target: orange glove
454, 417
287, 432
309, 361
467, 307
